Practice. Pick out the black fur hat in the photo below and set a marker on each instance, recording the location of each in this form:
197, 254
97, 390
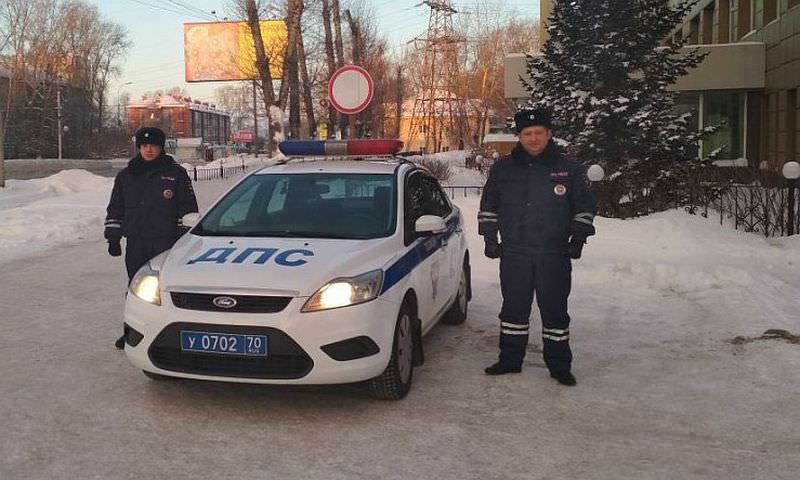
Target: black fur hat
531, 118
150, 135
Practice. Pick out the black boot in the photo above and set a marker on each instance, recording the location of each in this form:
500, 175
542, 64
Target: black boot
500, 369
565, 378
120, 343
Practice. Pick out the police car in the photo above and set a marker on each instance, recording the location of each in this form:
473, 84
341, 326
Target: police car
312, 271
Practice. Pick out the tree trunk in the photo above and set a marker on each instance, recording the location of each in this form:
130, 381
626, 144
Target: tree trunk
331, 58
398, 114
264, 74
307, 99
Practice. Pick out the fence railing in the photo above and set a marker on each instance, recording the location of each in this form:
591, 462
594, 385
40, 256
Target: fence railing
214, 173
770, 211
766, 210
465, 190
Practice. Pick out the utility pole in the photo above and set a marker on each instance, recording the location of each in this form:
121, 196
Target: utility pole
439, 110
58, 109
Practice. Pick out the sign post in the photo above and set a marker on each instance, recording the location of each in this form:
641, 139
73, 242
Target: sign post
350, 89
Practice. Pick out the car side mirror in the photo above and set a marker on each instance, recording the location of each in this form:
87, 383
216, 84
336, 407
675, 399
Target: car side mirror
191, 219
429, 225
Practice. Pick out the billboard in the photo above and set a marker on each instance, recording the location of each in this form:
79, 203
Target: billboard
222, 51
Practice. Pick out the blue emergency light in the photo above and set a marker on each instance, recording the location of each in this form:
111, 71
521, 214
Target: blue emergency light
296, 148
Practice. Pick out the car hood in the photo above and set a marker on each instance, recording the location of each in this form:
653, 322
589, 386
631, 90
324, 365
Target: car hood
277, 266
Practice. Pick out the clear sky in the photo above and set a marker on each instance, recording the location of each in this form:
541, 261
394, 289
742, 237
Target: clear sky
155, 27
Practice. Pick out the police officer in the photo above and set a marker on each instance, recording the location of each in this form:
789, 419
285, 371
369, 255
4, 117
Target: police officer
540, 204
149, 198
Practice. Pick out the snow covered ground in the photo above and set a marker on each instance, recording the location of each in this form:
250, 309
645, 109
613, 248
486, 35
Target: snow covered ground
672, 379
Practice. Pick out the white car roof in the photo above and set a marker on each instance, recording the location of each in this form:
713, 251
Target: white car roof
334, 166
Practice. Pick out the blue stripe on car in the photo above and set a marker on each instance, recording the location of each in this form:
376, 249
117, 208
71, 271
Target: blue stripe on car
420, 250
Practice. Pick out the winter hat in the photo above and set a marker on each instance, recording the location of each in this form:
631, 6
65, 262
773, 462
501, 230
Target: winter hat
150, 135
532, 118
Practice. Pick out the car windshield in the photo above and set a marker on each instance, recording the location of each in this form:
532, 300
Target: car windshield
309, 205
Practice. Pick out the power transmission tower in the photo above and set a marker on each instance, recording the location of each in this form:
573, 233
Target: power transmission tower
439, 109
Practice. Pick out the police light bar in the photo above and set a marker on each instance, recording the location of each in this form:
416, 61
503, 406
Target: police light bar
340, 147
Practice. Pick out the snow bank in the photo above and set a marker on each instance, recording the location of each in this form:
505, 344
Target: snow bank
36, 214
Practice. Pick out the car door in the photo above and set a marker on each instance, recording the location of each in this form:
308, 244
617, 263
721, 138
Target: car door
438, 204
429, 252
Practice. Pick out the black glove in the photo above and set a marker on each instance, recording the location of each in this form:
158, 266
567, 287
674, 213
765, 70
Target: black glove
114, 248
575, 247
491, 248
112, 234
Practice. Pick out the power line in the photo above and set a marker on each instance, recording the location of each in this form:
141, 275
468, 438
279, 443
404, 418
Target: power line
167, 9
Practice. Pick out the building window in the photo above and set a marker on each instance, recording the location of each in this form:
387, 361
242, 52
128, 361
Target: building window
694, 31
770, 10
726, 110
743, 19
708, 24
724, 26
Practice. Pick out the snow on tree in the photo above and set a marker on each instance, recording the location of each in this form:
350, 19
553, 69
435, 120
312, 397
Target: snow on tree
604, 74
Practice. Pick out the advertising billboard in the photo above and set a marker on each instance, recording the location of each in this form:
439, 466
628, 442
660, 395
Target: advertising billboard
222, 51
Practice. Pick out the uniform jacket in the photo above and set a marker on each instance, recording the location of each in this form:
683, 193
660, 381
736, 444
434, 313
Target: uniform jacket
149, 198
537, 203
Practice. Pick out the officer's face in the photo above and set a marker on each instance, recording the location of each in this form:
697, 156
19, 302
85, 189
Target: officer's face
149, 151
534, 139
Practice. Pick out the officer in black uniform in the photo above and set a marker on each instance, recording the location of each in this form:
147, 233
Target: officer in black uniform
540, 204
149, 198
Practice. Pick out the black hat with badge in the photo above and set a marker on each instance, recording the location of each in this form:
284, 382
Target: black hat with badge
151, 136
535, 117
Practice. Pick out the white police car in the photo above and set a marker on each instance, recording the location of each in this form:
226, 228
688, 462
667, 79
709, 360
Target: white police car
308, 272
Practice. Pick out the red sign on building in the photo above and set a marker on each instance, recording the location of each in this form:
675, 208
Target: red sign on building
243, 136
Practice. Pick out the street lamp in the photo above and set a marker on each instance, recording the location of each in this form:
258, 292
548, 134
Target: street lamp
791, 171
119, 122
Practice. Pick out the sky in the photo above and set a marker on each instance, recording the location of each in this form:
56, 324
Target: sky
155, 27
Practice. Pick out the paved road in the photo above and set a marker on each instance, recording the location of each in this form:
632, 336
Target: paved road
647, 406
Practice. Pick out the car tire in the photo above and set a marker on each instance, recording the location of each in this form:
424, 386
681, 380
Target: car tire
157, 377
395, 381
457, 313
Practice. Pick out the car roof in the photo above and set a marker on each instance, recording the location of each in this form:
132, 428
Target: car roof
298, 166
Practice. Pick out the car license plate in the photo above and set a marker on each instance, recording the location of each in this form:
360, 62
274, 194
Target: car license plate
227, 343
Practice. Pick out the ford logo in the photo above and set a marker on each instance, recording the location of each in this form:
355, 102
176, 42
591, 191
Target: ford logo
224, 302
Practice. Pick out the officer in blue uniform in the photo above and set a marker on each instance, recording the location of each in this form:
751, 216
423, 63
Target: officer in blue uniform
149, 198
539, 203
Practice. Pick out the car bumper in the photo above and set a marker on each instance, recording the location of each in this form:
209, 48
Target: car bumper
295, 356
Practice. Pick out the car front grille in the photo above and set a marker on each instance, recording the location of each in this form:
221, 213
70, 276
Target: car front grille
285, 359
244, 303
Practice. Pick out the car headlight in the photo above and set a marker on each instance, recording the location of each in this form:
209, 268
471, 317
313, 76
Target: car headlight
145, 284
344, 292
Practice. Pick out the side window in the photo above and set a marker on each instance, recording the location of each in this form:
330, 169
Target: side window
414, 204
437, 203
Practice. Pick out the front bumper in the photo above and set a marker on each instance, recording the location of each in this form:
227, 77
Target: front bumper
298, 342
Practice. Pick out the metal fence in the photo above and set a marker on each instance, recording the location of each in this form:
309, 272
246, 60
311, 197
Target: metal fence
464, 190
767, 210
206, 173
770, 211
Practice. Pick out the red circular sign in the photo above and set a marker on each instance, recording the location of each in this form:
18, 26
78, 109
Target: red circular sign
350, 89
560, 190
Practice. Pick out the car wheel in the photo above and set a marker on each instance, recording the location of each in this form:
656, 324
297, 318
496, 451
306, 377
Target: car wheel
157, 377
457, 313
395, 382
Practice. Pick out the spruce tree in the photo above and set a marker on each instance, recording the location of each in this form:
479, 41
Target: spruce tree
604, 74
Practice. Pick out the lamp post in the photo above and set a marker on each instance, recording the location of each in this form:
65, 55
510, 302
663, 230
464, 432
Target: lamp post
791, 171
119, 122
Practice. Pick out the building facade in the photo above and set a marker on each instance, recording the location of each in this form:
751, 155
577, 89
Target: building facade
181, 117
748, 84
